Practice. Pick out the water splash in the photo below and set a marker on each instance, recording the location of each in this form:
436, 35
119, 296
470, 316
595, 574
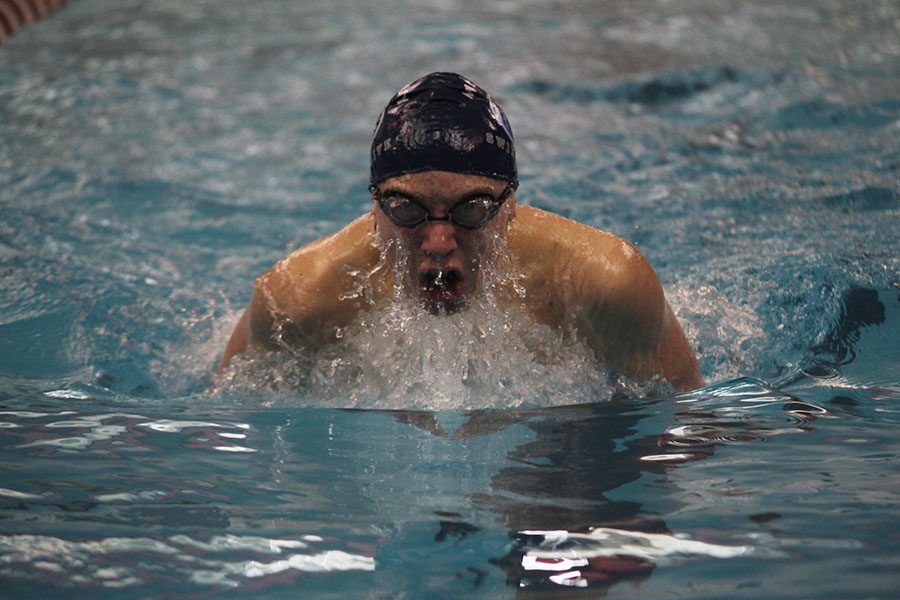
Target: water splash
399, 354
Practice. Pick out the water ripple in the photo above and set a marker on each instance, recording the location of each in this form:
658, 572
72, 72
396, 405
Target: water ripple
116, 562
116, 431
605, 554
735, 412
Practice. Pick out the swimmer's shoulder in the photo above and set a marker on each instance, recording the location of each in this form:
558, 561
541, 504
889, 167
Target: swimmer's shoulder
302, 299
610, 290
568, 252
313, 277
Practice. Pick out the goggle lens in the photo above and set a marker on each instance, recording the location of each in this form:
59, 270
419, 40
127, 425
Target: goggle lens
404, 212
472, 213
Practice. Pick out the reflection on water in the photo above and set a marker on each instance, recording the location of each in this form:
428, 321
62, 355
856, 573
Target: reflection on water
112, 431
568, 498
554, 499
604, 555
120, 562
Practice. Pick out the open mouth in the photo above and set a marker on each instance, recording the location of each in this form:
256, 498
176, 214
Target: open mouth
442, 290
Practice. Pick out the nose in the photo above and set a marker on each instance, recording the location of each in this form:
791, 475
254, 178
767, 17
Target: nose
439, 240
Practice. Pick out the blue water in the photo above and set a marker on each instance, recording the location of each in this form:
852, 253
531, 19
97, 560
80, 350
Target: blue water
156, 157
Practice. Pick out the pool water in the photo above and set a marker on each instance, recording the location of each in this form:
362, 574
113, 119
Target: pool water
155, 158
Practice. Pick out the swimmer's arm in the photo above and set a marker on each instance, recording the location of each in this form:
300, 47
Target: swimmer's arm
292, 307
253, 331
629, 323
301, 301
678, 364
288, 314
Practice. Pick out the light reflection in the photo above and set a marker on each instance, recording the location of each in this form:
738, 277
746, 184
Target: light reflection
131, 497
674, 457
576, 559
728, 418
571, 579
169, 426
110, 562
67, 394
234, 449
110, 432
26, 414
18, 495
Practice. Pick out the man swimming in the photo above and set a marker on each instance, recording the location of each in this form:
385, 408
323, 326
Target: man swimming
443, 182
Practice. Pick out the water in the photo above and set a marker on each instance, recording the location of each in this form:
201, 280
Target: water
155, 158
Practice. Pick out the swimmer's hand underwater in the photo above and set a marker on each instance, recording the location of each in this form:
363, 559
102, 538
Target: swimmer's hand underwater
444, 212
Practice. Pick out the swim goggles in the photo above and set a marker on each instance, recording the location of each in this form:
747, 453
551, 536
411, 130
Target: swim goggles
469, 213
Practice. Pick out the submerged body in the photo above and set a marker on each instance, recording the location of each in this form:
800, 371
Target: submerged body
566, 275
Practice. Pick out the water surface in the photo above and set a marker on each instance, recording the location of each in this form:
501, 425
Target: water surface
154, 159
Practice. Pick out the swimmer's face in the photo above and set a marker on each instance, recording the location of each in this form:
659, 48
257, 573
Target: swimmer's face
441, 261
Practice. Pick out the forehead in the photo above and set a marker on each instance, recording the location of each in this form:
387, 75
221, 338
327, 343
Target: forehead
442, 184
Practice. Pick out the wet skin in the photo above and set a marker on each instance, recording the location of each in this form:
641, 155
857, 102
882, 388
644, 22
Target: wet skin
574, 276
442, 260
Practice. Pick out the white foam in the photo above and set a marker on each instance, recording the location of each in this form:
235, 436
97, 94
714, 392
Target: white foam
399, 355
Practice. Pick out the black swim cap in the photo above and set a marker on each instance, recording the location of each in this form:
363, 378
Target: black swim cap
443, 122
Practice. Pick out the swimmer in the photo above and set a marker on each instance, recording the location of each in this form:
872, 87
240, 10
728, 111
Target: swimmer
443, 182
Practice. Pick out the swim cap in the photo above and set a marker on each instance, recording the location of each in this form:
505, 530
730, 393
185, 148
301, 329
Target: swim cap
443, 122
